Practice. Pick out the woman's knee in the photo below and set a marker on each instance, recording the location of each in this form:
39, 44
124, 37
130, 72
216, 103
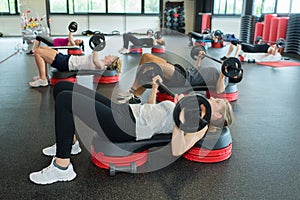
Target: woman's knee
62, 86
63, 100
147, 57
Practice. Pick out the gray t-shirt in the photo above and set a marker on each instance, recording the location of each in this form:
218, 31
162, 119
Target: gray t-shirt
153, 118
204, 76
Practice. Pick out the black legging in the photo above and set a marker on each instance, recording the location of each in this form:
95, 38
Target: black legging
136, 41
250, 48
115, 121
45, 39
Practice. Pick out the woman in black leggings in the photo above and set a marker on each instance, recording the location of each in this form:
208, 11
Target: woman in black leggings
260, 47
68, 41
118, 122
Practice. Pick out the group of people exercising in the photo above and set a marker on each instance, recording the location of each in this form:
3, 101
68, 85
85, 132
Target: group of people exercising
122, 122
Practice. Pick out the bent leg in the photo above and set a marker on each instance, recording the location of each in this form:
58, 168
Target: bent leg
94, 114
238, 50
68, 86
230, 50
130, 38
45, 39
44, 56
167, 68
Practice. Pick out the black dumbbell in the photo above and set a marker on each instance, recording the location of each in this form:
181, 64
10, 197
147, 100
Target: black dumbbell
231, 67
73, 26
280, 43
97, 42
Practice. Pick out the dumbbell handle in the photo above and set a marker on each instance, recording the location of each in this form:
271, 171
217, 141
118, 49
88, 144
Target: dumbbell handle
214, 59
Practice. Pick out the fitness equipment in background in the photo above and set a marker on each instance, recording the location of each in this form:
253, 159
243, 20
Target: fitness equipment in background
192, 106
292, 35
91, 33
174, 16
159, 49
231, 67
247, 28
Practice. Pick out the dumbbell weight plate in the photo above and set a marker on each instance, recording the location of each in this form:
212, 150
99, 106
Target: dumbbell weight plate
231, 67
97, 42
73, 26
150, 32
280, 43
157, 35
195, 51
147, 71
193, 108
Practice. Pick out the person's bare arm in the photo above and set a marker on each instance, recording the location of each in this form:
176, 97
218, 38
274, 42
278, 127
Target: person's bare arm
199, 58
220, 87
152, 95
182, 142
71, 41
272, 50
96, 60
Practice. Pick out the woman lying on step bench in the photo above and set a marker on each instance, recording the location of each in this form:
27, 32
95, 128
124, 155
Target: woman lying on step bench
69, 41
45, 55
118, 123
176, 75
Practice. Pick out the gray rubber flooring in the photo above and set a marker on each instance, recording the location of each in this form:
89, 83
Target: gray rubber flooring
265, 155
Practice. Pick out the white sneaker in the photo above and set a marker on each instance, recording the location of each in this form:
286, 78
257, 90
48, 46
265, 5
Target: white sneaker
51, 151
124, 51
38, 77
39, 83
52, 174
125, 94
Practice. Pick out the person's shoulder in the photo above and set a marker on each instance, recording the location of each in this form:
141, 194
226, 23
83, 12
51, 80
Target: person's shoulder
167, 104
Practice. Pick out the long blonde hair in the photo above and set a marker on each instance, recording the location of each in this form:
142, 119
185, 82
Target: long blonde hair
116, 65
226, 119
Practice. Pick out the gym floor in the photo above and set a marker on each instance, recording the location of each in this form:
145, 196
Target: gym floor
265, 155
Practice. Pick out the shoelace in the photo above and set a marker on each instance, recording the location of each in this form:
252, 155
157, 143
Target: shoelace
47, 168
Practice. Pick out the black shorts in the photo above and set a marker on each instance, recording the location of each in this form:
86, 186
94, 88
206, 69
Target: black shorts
61, 62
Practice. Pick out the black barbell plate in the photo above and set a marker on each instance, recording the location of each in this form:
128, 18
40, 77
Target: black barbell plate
280, 43
147, 71
231, 67
157, 35
97, 40
73, 26
195, 51
150, 32
193, 119
218, 33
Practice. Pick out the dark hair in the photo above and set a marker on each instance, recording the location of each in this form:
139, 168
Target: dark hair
81, 45
257, 39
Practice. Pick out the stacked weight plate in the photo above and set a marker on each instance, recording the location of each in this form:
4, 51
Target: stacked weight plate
292, 35
247, 28
174, 16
